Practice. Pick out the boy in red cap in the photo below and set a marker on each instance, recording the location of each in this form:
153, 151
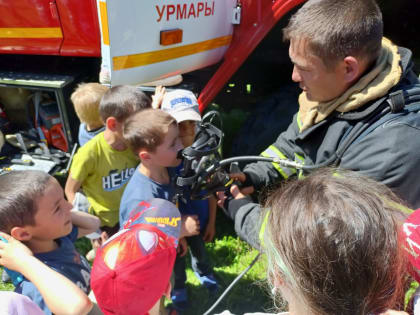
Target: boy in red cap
132, 269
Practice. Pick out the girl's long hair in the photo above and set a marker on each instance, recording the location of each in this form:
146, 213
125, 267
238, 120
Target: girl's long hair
333, 239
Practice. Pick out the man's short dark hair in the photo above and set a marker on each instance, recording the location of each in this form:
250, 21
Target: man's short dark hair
338, 28
121, 101
19, 192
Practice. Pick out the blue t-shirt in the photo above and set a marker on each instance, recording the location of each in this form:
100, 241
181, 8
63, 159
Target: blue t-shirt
197, 207
194, 207
85, 135
142, 188
65, 260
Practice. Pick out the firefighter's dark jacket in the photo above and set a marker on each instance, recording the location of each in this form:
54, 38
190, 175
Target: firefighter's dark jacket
388, 152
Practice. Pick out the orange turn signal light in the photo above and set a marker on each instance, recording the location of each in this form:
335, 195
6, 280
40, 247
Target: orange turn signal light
170, 37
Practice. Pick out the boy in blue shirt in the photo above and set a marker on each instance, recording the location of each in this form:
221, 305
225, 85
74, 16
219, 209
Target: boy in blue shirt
153, 136
34, 211
183, 106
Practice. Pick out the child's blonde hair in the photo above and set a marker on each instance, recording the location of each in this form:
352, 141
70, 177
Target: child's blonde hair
86, 99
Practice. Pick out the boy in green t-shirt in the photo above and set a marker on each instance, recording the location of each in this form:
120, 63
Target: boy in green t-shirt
103, 166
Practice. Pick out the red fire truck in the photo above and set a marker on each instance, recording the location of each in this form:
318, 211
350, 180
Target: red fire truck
143, 36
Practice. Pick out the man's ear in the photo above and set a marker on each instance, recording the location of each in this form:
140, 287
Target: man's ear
111, 123
352, 68
21, 233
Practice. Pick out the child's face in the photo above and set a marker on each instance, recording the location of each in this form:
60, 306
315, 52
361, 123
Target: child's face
187, 132
166, 153
53, 218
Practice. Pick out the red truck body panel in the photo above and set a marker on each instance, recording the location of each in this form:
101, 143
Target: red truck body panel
71, 28
44, 27
79, 21
258, 18
29, 27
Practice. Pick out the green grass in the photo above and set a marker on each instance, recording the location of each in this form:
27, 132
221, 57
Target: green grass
5, 286
229, 256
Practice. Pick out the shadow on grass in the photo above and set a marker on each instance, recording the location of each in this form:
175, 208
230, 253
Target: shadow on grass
246, 296
230, 256
224, 225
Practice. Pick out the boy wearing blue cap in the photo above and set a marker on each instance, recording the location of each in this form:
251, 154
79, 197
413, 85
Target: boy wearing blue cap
183, 106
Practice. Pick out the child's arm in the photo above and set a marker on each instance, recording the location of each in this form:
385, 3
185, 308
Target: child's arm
72, 187
211, 225
60, 294
157, 98
86, 222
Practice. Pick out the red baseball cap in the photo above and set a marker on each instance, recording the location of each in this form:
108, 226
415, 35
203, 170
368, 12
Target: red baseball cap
411, 242
131, 270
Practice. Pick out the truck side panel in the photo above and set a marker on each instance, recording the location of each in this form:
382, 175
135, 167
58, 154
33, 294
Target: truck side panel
80, 25
132, 33
29, 27
46, 27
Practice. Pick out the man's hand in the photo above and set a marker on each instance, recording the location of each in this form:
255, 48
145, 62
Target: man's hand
237, 199
238, 176
234, 189
157, 98
189, 225
242, 178
209, 233
13, 254
182, 247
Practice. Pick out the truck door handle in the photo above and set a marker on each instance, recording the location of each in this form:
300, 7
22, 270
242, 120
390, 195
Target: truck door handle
54, 10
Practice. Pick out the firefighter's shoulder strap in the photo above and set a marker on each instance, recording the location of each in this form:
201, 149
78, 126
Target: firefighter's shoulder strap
391, 106
401, 102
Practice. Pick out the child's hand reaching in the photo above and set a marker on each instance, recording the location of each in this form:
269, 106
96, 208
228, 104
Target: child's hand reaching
190, 225
13, 254
157, 98
60, 294
96, 243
